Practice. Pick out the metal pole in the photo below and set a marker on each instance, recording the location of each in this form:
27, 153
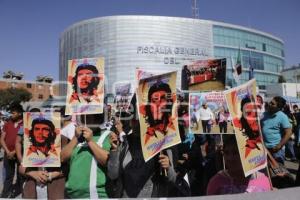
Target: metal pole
296, 83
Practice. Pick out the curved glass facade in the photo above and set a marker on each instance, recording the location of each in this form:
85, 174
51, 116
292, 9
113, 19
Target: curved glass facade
167, 43
260, 50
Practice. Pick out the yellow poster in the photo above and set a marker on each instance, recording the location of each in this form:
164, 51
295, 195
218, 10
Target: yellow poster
242, 106
85, 92
42, 140
157, 106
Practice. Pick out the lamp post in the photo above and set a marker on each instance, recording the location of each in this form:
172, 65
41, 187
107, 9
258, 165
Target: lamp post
284, 86
296, 77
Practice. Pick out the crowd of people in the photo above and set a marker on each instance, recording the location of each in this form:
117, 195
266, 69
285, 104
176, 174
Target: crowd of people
204, 117
101, 157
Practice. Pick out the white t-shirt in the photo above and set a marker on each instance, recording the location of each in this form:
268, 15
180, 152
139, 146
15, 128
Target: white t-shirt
69, 130
205, 114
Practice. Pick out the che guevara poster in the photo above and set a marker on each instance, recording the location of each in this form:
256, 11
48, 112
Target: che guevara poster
157, 104
242, 106
85, 92
42, 139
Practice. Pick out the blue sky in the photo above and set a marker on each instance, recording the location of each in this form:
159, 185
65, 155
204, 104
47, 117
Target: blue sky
30, 29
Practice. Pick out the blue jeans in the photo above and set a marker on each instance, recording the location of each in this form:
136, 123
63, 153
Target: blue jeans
279, 155
290, 149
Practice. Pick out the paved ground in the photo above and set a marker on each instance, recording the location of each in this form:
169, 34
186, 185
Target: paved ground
292, 167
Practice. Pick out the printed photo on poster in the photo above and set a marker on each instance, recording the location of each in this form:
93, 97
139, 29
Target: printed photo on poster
243, 108
157, 106
204, 75
209, 113
42, 139
123, 92
85, 93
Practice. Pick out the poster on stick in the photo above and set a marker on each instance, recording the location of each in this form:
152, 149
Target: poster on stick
85, 92
242, 106
157, 104
42, 139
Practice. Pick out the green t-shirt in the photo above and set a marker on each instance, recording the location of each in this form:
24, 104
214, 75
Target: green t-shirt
78, 184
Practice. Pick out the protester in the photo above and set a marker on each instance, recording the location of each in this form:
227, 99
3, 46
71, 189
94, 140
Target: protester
276, 128
68, 126
139, 179
88, 153
297, 181
232, 179
1, 126
296, 114
290, 144
10, 163
190, 164
189, 157
185, 78
39, 182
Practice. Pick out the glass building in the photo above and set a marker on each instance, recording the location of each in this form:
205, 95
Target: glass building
158, 43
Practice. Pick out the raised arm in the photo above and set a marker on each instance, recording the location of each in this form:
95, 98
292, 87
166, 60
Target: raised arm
99, 153
67, 149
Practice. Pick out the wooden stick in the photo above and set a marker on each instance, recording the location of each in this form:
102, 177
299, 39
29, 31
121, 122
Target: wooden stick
222, 143
165, 171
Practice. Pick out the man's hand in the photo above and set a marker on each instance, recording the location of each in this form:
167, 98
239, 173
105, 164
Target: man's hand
85, 131
11, 155
39, 176
78, 131
276, 148
87, 134
114, 141
164, 161
185, 156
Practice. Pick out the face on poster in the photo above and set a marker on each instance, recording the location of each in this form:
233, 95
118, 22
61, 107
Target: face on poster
123, 94
85, 92
242, 106
204, 75
42, 140
157, 113
209, 113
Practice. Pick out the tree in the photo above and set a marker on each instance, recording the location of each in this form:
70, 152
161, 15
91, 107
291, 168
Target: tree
13, 95
281, 79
